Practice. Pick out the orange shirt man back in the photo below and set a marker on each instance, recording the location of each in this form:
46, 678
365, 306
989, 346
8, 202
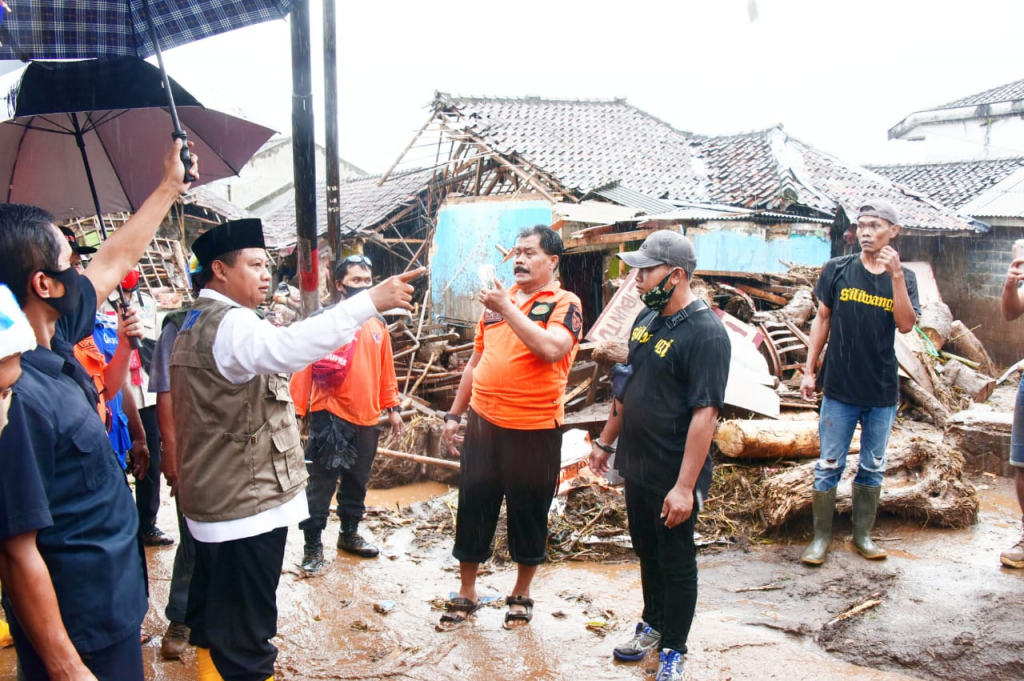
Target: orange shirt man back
344, 393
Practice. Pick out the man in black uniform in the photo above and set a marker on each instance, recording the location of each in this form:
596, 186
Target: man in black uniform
862, 299
664, 416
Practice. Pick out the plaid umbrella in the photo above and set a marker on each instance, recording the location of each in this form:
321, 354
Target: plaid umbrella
75, 29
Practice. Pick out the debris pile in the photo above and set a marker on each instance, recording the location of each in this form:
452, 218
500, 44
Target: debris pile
767, 427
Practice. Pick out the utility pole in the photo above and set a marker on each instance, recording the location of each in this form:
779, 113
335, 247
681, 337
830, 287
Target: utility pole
331, 126
304, 160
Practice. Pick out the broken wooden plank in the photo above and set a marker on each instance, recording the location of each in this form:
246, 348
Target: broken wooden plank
620, 237
762, 295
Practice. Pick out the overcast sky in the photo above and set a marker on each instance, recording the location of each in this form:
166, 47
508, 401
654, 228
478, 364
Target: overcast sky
836, 73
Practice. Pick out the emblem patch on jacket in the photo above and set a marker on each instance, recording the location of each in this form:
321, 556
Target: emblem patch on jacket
574, 321
190, 319
541, 312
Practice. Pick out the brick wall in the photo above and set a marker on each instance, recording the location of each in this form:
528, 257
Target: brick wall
970, 272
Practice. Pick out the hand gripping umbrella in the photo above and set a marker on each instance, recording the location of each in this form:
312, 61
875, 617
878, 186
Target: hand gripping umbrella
80, 135
72, 29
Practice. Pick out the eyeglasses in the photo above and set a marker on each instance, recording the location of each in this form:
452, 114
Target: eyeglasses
359, 259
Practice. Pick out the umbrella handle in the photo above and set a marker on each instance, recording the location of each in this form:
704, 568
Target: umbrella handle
186, 157
122, 303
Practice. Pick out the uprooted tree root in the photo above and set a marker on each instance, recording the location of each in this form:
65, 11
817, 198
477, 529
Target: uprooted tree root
923, 481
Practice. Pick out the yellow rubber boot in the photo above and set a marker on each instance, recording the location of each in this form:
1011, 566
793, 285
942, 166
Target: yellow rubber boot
5, 635
207, 670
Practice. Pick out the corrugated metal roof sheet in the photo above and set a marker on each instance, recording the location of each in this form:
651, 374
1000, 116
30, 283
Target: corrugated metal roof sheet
1004, 200
630, 197
724, 214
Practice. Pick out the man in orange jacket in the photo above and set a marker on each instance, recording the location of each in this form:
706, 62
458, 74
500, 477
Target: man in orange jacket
345, 393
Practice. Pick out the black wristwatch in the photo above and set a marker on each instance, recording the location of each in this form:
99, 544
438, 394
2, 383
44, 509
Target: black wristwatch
452, 417
397, 408
602, 446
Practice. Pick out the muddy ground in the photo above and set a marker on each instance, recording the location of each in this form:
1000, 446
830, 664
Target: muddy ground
947, 610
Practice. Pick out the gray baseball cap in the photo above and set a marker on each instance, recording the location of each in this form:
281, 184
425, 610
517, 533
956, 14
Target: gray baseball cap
664, 247
879, 208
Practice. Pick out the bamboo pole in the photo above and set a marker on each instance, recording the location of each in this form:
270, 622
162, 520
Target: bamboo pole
430, 461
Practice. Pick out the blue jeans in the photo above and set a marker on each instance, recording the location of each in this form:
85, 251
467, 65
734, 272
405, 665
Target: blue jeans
1017, 434
836, 424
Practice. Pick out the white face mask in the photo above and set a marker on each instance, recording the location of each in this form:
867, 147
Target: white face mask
5, 404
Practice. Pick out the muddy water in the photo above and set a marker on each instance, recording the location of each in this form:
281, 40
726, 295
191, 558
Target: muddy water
947, 611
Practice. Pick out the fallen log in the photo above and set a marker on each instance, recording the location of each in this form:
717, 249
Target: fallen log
611, 352
761, 439
975, 385
962, 341
798, 310
923, 481
937, 322
912, 391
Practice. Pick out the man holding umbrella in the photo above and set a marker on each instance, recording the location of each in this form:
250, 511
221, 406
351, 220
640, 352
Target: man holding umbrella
65, 510
242, 477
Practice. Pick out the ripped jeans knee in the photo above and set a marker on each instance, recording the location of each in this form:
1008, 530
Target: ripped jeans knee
837, 423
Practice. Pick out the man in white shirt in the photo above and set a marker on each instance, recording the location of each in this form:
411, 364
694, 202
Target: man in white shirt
242, 478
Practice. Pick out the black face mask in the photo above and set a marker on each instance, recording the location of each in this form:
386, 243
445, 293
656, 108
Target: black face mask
68, 303
349, 291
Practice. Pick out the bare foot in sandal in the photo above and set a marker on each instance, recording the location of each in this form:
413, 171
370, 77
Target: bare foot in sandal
458, 610
520, 611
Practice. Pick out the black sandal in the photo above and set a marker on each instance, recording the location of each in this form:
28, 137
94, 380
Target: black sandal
458, 611
513, 618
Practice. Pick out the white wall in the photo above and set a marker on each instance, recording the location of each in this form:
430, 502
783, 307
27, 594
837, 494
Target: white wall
970, 140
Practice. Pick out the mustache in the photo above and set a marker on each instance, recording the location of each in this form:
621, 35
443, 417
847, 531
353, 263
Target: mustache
522, 269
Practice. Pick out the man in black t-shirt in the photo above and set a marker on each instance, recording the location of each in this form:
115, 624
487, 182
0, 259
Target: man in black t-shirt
664, 419
862, 300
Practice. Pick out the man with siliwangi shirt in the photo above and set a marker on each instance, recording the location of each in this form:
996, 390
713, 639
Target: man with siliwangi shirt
344, 394
862, 300
515, 383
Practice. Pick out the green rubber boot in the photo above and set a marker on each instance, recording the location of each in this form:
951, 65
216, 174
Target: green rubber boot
865, 506
824, 506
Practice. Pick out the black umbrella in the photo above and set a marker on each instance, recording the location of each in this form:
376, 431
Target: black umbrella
78, 131
80, 136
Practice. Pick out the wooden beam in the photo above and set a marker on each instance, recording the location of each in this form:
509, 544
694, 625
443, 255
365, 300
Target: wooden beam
405, 151
620, 237
476, 180
755, 292
495, 176
394, 218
